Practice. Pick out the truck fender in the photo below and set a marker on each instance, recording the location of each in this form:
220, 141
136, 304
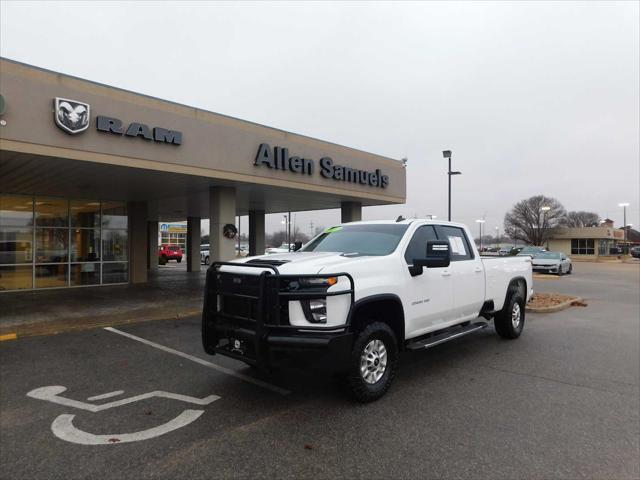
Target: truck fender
384, 307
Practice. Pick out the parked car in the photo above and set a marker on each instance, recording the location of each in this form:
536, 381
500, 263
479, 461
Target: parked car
552, 262
635, 252
284, 248
171, 252
204, 254
504, 251
530, 251
359, 293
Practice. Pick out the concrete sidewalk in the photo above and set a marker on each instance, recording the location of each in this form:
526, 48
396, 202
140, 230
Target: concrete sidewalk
172, 292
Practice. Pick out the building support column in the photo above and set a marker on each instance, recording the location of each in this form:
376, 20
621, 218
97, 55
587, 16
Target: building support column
152, 245
256, 232
351, 212
193, 244
138, 242
222, 211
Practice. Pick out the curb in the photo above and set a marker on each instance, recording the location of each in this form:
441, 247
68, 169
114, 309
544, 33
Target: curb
63, 326
555, 308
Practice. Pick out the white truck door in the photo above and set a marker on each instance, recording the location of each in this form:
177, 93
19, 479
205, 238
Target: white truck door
467, 273
430, 295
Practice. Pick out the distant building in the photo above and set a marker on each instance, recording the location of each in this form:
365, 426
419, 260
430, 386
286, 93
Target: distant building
172, 234
588, 242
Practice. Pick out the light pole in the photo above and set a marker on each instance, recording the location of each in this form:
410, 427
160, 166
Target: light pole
480, 222
447, 154
287, 230
498, 237
624, 223
544, 211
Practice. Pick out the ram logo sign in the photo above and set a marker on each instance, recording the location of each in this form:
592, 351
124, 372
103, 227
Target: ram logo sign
71, 116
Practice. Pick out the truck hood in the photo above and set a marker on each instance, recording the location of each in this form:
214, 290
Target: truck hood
306, 262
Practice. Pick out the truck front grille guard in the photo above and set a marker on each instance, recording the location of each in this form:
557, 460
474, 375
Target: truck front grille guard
264, 309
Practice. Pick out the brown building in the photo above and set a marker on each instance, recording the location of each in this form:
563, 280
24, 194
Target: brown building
588, 243
87, 171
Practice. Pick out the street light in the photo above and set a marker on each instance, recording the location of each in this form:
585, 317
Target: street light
498, 237
447, 154
545, 209
624, 206
480, 222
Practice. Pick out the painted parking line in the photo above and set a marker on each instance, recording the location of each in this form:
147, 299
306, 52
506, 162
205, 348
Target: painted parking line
200, 361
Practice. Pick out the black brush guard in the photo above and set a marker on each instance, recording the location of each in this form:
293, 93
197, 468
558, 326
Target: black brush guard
246, 316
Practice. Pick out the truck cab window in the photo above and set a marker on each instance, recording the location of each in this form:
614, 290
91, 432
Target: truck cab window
458, 243
417, 247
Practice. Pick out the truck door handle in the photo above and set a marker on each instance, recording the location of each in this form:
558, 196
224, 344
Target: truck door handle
477, 270
446, 273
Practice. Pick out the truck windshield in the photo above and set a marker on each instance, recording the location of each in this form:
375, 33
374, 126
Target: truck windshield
371, 239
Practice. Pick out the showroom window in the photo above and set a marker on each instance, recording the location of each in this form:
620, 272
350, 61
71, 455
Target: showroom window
582, 246
51, 242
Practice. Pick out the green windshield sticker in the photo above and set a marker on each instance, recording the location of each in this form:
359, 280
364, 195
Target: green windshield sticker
333, 229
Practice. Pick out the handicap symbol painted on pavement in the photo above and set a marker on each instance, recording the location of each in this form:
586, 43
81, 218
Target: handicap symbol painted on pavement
63, 428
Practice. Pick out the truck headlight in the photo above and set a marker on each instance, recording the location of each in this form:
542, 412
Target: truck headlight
315, 310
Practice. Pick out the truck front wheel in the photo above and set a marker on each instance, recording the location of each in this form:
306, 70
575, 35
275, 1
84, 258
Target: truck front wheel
373, 362
509, 322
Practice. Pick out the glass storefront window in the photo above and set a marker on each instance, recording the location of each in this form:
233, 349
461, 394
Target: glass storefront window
62, 242
582, 246
85, 213
114, 215
52, 212
16, 246
16, 211
52, 245
16, 277
85, 273
115, 272
114, 245
85, 245
48, 276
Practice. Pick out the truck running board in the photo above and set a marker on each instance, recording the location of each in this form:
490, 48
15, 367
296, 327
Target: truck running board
445, 336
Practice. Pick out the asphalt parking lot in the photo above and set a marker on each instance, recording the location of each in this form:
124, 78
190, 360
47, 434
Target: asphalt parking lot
562, 401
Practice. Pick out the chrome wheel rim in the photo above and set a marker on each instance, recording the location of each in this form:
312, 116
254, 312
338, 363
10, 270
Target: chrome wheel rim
515, 315
373, 361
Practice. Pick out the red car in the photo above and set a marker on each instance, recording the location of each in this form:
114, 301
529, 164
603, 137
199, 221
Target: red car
171, 252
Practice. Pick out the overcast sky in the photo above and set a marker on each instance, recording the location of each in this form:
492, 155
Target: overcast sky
533, 98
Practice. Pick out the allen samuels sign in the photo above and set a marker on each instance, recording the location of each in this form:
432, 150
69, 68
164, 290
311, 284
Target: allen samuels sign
278, 158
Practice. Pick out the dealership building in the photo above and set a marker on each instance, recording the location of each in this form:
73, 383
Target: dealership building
88, 172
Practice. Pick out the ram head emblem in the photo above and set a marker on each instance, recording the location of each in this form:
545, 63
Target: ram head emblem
71, 116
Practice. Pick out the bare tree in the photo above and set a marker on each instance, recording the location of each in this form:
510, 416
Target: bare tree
582, 219
534, 219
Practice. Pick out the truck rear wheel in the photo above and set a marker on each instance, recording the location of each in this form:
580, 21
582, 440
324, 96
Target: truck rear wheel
373, 362
509, 322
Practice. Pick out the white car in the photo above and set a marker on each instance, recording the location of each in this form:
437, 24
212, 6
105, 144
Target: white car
284, 248
552, 262
204, 254
359, 293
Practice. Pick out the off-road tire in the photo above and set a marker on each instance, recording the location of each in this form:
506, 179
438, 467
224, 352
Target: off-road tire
503, 321
361, 390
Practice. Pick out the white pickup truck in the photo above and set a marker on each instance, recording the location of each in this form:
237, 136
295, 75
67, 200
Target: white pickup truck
359, 293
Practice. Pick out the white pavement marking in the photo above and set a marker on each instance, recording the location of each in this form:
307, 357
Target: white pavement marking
63, 428
51, 394
228, 371
105, 395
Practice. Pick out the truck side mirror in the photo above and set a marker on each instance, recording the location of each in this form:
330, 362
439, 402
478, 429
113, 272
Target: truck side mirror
437, 256
297, 246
